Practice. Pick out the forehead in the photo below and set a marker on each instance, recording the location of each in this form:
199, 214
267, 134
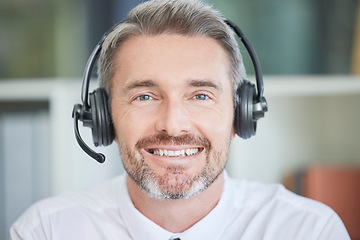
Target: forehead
171, 57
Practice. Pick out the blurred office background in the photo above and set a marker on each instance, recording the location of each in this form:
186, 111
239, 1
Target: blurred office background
310, 56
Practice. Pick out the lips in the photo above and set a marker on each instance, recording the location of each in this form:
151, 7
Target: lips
174, 153
164, 145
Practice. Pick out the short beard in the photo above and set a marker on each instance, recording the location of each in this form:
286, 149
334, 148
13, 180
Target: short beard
174, 183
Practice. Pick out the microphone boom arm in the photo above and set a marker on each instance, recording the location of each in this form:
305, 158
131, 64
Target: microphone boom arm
76, 115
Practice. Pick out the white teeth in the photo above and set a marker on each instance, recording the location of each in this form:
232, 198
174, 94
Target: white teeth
178, 153
182, 152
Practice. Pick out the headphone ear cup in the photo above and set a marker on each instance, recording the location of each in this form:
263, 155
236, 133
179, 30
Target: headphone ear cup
244, 123
102, 126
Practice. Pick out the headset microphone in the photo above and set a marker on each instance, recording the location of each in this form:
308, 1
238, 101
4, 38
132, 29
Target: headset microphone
94, 112
86, 112
78, 115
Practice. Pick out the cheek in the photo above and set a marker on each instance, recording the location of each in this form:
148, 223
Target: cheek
217, 122
129, 124
122, 124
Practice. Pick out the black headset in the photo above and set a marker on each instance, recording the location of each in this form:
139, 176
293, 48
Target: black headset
95, 112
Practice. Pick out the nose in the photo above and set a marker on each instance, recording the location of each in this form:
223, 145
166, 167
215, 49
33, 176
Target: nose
174, 118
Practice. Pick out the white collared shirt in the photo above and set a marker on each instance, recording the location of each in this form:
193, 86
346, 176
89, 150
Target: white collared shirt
247, 210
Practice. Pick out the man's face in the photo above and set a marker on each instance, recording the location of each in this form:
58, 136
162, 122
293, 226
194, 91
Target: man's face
172, 110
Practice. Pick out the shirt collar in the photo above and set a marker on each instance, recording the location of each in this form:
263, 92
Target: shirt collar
213, 225
140, 227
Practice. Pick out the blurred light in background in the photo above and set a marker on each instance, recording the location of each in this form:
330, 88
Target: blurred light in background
299, 36
42, 38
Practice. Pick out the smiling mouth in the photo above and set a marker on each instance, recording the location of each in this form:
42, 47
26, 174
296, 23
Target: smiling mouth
176, 153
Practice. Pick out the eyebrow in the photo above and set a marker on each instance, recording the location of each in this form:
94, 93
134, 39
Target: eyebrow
190, 83
205, 83
139, 84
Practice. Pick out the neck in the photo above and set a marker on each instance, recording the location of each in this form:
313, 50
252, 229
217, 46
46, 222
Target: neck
176, 215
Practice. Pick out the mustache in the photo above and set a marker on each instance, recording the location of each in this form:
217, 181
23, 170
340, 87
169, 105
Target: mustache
166, 139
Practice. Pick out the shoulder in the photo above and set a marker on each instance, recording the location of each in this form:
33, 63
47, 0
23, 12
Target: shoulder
273, 208
257, 195
64, 211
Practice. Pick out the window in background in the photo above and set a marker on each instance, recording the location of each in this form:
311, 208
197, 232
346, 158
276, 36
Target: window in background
27, 38
54, 38
298, 36
24, 158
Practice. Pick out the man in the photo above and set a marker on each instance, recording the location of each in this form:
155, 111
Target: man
171, 70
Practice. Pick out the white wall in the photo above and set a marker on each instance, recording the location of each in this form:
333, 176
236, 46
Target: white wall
311, 120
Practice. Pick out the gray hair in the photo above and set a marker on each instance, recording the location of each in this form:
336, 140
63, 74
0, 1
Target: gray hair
185, 17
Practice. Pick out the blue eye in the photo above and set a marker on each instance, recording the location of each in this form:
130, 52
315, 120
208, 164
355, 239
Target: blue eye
201, 97
144, 97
